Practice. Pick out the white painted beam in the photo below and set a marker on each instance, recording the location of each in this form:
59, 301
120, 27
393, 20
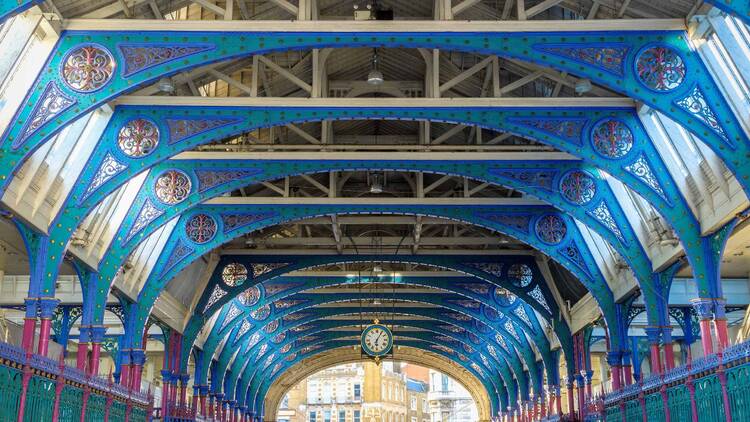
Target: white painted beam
420, 103
410, 156
630, 25
275, 201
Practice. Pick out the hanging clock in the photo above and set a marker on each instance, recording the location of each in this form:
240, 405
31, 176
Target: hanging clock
377, 340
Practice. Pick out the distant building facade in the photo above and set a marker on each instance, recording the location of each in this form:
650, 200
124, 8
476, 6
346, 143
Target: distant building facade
366, 392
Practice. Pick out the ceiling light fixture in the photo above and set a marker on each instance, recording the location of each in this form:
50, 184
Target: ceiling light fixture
375, 77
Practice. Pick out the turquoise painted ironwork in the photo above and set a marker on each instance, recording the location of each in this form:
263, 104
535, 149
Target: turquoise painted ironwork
9, 8
678, 400
654, 407
738, 386
184, 50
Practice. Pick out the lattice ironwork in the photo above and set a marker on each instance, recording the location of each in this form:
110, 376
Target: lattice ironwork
578, 187
138, 138
612, 138
172, 187
200, 228
235, 274
660, 68
88, 68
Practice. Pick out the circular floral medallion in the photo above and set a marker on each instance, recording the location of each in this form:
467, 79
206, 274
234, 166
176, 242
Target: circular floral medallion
88, 68
261, 313
660, 68
578, 187
612, 138
172, 187
520, 275
138, 138
504, 297
235, 274
551, 229
201, 228
250, 296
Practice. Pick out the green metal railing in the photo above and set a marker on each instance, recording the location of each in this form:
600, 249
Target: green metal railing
40, 379
718, 382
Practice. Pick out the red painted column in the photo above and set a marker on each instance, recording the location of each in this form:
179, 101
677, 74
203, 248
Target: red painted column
210, 406
720, 324
97, 338
46, 312
691, 390
571, 400
165, 394
24, 386
665, 403
704, 307
654, 334
137, 360
82, 354
86, 394
558, 401
203, 403
581, 399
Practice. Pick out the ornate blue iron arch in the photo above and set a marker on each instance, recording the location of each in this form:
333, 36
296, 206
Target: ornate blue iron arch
657, 67
585, 132
235, 324
269, 319
11, 8
252, 281
180, 252
288, 354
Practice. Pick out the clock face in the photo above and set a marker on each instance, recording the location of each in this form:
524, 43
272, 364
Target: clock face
377, 340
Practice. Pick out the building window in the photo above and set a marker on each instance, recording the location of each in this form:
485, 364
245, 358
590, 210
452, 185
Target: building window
326, 416
425, 406
445, 383
413, 419
357, 391
356, 416
313, 417
342, 415
413, 403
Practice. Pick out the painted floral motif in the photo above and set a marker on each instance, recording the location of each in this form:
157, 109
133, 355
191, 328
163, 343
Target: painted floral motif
88, 68
493, 351
466, 303
551, 229
148, 213
232, 314
602, 214
308, 349
284, 304
236, 221
504, 297
478, 369
291, 357
276, 288
301, 328
468, 349
442, 348
568, 129
520, 275
510, 329
520, 312
516, 221
612, 138
481, 289
200, 228
641, 169
492, 313
286, 348
244, 328
271, 326
660, 68
293, 317
208, 179
276, 368
172, 187
138, 138
446, 339
107, 170
139, 57
250, 296
501, 341
457, 316
578, 187
536, 294
474, 339
262, 351
485, 361
254, 339
574, 255
606, 57
51, 103
494, 268
261, 313
180, 251
452, 328
180, 129
234, 274
278, 338
695, 103
263, 268
216, 294
538, 178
